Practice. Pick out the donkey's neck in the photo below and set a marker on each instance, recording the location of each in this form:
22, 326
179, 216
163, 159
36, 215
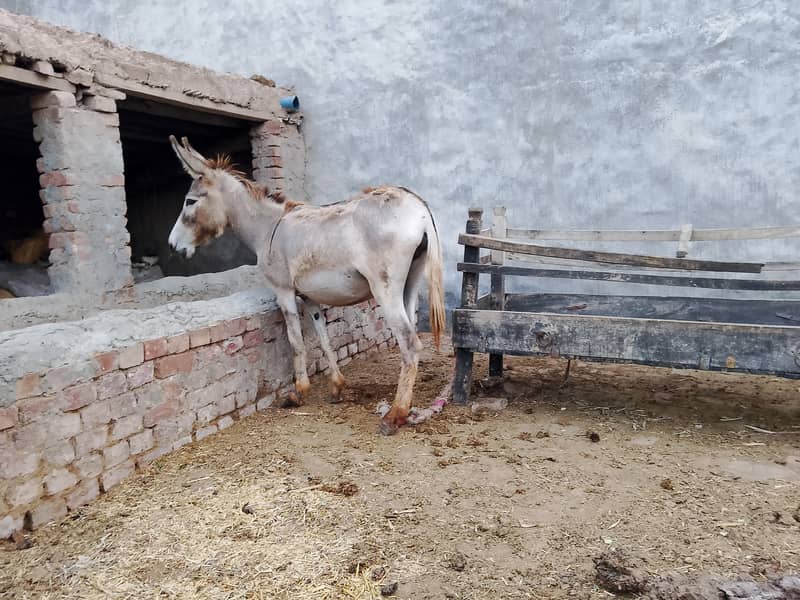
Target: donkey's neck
251, 219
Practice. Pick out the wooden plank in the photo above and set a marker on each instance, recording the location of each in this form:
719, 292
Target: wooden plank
545, 260
682, 344
683, 241
497, 285
462, 379
639, 260
32, 79
170, 111
654, 235
469, 281
713, 283
704, 310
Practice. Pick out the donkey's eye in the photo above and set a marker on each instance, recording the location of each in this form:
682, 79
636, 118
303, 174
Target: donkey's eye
190, 201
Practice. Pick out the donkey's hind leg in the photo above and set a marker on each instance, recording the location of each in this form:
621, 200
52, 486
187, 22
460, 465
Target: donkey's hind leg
337, 379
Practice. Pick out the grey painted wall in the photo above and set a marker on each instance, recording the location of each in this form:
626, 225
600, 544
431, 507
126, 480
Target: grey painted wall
579, 113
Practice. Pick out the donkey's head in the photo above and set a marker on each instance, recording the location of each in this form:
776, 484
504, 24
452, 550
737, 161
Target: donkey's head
203, 216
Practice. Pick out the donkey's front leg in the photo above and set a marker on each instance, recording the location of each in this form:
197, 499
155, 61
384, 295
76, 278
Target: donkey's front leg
318, 319
288, 304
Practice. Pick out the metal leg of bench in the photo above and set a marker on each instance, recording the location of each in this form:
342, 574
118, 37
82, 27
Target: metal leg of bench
463, 377
495, 365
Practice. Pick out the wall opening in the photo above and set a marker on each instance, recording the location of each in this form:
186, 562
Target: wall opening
155, 184
23, 243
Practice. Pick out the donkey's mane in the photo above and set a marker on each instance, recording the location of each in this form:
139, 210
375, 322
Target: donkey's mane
257, 191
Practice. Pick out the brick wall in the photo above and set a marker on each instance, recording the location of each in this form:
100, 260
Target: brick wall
74, 432
82, 190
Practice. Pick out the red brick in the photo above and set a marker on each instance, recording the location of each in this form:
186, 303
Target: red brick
29, 385
8, 417
178, 343
106, 362
138, 376
113, 181
45, 512
174, 363
56, 179
253, 338
161, 412
236, 327
233, 345
254, 323
131, 356
218, 332
155, 348
200, 337
78, 396
112, 384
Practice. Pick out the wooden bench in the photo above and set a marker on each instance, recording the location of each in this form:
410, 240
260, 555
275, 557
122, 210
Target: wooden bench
746, 335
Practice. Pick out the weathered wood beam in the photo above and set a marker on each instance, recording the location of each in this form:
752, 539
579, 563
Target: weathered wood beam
639, 260
714, 283
655, 235
32, 79
171, 111
763, 349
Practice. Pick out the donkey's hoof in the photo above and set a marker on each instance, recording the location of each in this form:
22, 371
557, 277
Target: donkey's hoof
335, 399
387, 428
291, 400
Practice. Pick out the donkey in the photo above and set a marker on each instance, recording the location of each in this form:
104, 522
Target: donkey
378, 245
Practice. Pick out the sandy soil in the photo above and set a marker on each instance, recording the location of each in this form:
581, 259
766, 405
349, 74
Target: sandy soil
312, 503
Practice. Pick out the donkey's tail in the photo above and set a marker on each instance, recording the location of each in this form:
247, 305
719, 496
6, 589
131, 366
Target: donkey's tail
433, 272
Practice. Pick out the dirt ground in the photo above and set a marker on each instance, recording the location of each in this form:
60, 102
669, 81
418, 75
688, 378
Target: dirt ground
312, 503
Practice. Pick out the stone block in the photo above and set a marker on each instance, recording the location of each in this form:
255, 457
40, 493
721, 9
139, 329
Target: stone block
112, 384
24, 493
59, 480
141, 442
126, 426
46, 512
60, 454
86, 492
89, 466
97, 413
90, 440
114, 476
200, 337
8, 417
113, 455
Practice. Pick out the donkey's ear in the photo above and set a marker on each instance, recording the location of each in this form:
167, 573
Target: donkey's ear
188, 146
194, 165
